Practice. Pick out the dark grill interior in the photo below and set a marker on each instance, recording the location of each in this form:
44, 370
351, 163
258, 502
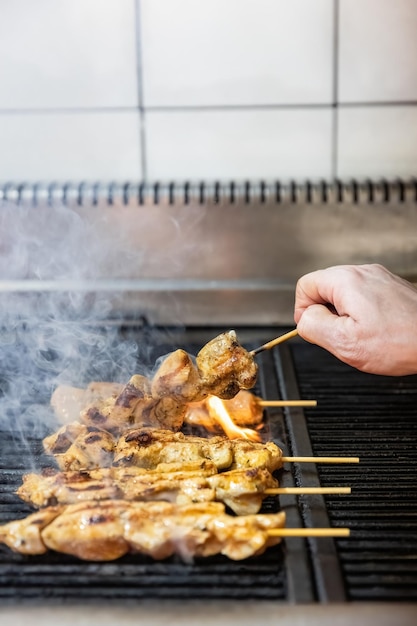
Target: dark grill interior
357, 415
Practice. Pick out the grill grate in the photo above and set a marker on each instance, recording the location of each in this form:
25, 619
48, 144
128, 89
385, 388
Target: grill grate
375, 418
134, 576
357, 414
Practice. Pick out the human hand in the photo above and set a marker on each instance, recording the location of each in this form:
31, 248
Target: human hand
363, 314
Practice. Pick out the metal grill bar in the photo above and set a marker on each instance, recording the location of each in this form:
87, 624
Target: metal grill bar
324, 559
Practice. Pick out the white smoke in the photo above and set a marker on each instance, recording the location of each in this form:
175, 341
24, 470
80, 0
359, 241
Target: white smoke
56, 336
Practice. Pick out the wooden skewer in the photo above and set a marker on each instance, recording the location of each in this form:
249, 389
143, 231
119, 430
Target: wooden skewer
309, 532
307, 490
320, 459
275, 342
287, 402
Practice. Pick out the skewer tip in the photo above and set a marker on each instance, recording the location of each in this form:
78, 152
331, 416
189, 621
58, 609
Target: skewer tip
274, 342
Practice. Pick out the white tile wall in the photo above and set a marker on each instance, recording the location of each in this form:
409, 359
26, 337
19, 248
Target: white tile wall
71, 53
378, 142
378, 50
274, 144
236, 52
70, 146
215, 89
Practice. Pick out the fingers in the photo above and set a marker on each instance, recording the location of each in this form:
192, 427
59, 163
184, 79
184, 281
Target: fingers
314, 288
338, 334
364, 315
319, 325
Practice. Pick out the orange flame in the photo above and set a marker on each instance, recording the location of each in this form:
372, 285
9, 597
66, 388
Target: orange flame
218, 411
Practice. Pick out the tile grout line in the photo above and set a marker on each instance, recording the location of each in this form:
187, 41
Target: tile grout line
139, 73
335, 94
186, 108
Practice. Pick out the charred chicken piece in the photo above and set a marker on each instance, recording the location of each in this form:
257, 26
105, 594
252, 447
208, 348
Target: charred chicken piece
177, 376
112, 528
52, 487
242, 490
148, 447
249, 454
222, 368
162, 413
117, 412
167, 412
129, 483
76, 446
225, 366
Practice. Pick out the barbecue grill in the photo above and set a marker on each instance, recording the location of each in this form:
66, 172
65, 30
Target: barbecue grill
216, 256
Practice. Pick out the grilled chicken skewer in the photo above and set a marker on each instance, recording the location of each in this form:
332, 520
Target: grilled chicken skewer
246, 409
221, 368
77, 447
243, 491
113, 528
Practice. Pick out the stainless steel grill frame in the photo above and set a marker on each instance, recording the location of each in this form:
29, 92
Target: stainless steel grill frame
277, 231
223, 253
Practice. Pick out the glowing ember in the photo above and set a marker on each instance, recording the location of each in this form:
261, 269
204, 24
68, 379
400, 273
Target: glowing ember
218, 411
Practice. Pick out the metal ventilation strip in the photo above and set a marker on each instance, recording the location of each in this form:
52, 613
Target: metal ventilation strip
316, 192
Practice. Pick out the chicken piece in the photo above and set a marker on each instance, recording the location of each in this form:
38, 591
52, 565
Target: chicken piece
250, 454
112, 528
177, 376
149, 447
167, 412
182, 530
61, 440
134, 405
225, 366
116, 413
242, 490
182, 487
241, 537
52, 487
24, 535
88, 531
222, 368
201, 529
244, 409
68, 402
77, 446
